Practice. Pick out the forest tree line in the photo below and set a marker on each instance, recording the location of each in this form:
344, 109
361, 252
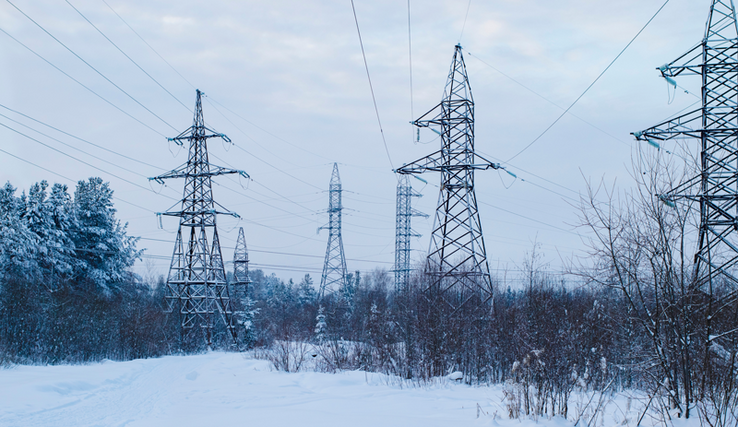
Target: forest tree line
635, 319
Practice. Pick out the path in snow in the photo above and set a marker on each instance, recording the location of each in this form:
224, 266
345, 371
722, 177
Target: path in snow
230, 389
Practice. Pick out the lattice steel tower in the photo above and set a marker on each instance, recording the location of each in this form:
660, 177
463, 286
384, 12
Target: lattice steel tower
196, 285
715, 125
403, 230
241, 262
334, 268
457, 259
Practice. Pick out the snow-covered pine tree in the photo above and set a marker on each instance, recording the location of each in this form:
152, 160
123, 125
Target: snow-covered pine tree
17, 244
246, 319
47, 217
103, 249
305, 291
321, 327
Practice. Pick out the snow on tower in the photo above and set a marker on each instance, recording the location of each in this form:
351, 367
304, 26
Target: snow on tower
403, 230
457, 259
196, 285
714, 125
334, 268
241, 262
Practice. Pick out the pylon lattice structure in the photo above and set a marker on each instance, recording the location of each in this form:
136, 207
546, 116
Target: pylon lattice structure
196, 285
403, 230
457, 259
334, 268
241, 261
715, 125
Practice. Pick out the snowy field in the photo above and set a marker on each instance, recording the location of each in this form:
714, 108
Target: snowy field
232, 389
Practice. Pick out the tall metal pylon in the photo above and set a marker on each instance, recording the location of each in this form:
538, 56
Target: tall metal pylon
334, 268
196, 285
403, 230
241, 262
457, 259
715, 125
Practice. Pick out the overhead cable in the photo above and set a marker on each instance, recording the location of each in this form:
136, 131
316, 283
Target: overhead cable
90, 65
371, 87
126, 55
82, 84
590, 86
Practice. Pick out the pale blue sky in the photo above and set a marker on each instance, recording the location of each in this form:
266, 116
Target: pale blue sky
294, 69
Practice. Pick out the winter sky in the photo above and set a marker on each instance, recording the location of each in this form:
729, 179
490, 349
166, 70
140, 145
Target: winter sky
285, 80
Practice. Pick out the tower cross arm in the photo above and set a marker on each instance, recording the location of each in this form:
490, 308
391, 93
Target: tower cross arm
689, 124
415, 212
432, 117
443, 113
435, 163
689, 63
183, 172
190, 213
192, 132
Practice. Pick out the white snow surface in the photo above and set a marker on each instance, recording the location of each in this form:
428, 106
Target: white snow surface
232, 389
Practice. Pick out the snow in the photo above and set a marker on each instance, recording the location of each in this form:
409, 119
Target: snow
232, 388
455, 376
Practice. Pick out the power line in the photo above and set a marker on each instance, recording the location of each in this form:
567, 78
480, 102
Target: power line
80, 139
371, 88
539, 177
126, 55
278, 253
65, 177
410, 63
73, 147
248, 136
75, 158
38, 166
209, 98
531, 219
269, 189
147, 44
258, 158
525, 217
90, 66
466, 16
546, 99
590, 86
82, 84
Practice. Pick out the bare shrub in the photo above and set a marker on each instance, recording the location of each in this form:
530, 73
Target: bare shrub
337, 355
287, 356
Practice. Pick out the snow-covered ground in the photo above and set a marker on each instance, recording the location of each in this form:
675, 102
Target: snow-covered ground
232, 389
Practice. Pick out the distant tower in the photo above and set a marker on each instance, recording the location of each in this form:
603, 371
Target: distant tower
714, 125
334, 269
457, 259
196, 286
403, 230
241, 262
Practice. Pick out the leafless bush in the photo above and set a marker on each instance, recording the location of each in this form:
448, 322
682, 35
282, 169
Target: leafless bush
287, 356
719, 408
513, 397
337, 355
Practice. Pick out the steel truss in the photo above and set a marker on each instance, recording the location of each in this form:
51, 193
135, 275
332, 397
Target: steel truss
457, 259
715, 125
241, 261
334, 268
196, 285
403, 230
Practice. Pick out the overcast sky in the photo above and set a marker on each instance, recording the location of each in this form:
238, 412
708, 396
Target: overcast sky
285, 80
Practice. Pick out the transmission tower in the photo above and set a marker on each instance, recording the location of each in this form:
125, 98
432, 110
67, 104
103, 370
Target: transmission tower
196, 285
403, 230
715, 125
457, 259
241, 261
334, 269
